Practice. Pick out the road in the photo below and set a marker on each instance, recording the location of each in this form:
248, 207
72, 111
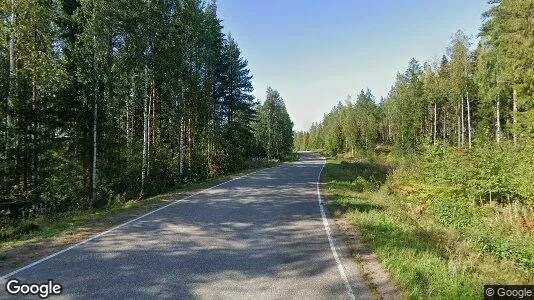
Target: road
261, 236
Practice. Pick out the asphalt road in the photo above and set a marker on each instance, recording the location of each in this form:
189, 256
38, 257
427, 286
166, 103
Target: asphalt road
261, 236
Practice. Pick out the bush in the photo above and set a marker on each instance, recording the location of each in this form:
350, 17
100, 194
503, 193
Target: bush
456, 213
472, 191
495, 173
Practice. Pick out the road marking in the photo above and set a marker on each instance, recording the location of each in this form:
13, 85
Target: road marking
331, 240
117, 227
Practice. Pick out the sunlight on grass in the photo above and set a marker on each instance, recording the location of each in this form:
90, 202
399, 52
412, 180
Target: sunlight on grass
426, 258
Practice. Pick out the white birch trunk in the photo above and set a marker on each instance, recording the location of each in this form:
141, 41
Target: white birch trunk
145, 138
435, 122
128, 118
9, 100
181, 146
498, 123
463, 121
468, 120
181, 141
149, 123
459, 130
95, 154
95, 111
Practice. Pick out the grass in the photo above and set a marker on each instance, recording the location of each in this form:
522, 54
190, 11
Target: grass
427, 258
33, 231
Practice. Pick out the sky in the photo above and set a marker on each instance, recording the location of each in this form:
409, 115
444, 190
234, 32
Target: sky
317, 52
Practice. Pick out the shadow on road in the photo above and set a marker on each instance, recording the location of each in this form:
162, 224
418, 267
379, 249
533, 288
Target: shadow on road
260, 234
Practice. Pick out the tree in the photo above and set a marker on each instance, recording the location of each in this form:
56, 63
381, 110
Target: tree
237, 105
459, 77
274, 128
118, 99
508, 35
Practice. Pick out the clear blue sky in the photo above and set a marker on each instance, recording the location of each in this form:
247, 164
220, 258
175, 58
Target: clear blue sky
315, 53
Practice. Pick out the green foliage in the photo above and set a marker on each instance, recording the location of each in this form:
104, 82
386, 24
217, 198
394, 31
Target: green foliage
455, 213
482, 175
105, 101
439, 248
63, 187
465, 98
348, 127
477, 193
462, 129
274, 128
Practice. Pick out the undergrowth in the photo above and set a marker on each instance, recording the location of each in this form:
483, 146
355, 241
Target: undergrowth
431, 220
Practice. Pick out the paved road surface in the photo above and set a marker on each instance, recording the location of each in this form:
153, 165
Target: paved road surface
258, 237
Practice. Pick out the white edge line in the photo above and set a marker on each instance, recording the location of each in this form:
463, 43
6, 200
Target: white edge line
331, 240
117, 227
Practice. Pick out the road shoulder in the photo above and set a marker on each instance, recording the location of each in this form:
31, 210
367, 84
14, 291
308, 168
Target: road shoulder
352, 246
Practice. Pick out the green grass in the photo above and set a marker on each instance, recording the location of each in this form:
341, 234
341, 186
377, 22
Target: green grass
40, 228
428, 259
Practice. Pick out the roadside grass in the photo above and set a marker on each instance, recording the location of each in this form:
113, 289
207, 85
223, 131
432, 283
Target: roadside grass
427, 258
35, 230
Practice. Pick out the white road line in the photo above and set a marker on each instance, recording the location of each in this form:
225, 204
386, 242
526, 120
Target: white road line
117, 227
331, 240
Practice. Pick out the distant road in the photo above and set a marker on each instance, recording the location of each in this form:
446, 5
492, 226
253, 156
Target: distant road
261, 236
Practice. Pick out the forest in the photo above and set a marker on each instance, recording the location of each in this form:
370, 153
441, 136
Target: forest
106, 100
473, 108
437, 175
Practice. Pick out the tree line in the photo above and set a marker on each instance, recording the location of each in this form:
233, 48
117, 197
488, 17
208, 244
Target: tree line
123, 98
473, 96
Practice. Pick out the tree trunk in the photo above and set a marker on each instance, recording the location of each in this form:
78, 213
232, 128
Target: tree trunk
498, 123
435, 122
11, 83
145, 139
463, 121
181, 158
129, 119
95, 154
181, 142
468, 120
514, 116
149, 124
459, 130
189, 146
269, 138
33, 168
444, 133
153, 110
95, 113
147, 98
